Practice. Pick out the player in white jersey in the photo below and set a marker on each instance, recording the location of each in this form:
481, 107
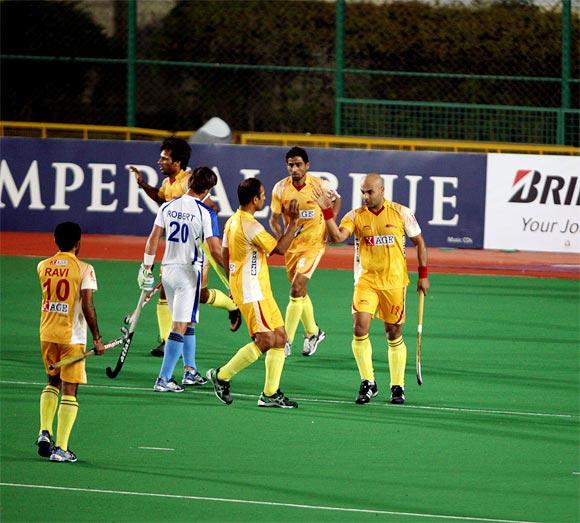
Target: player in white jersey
186, 223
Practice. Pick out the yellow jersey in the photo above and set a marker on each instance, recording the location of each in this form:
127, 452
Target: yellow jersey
170, 190
380, 244
62, 277
310, 221
249, 245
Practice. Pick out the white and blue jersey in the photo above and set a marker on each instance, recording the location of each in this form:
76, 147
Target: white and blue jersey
187, 223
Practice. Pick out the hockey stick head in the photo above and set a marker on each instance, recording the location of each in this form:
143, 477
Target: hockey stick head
418, 361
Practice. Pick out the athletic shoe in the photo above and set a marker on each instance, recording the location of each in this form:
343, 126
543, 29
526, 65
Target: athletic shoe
311, 343
163, 385
287, 349
221, 388
44, 444
367, 391
159, 351
277, 400
62, 455
397, 395
235, 320
193, 378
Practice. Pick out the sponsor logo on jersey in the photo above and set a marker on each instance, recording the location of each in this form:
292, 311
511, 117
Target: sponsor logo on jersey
378, 241
307, 214
59, 262
55, 306
254, 264
534, 186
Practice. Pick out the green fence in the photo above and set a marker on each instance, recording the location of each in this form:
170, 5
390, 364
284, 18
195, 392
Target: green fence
492, 70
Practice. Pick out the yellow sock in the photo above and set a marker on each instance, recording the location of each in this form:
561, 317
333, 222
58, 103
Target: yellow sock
163, 319
67, 414
48, 406
274, 362
308, 317
363, 354
293, 315
397, 357
247, 355
218, 299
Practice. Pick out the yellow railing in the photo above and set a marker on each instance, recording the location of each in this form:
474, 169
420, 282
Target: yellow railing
85, 132
322, 140
95, 132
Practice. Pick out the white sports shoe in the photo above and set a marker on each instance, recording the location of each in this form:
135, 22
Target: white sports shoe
163, 385
288, 349
311, 343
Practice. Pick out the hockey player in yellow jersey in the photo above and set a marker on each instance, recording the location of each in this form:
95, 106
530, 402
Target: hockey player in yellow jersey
173, 159
381, 279
67, 308
245, 248
303, 256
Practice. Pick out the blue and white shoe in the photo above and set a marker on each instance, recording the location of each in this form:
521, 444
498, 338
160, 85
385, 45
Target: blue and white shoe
45, 444
193, 378
60, 455
163, 385
311, 343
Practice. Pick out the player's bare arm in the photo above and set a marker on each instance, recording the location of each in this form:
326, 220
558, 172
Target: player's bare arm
207, 200
226, 260
90, 315
152, 192
275, 226
336, 204
337, 235
286, 239
214, 245
153, 242
419, 242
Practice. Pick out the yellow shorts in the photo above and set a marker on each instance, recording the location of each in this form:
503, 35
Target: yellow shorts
303, 262
262, 316
53, 352
389, 304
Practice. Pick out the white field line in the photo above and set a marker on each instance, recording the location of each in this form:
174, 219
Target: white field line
266, 503
155, 448
340, 402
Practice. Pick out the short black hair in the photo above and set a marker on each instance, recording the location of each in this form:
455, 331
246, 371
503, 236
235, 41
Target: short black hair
247, 190
202, 179
67, 235
297, 151
179, 148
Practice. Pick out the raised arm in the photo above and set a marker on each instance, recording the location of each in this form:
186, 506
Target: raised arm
152, 192
337, 235
285, 239
275, 226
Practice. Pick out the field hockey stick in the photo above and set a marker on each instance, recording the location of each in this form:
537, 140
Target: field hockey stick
67, 361
152, 292
219, 270
419, 333
112, 373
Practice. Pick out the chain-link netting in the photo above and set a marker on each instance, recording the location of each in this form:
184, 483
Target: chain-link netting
407, 68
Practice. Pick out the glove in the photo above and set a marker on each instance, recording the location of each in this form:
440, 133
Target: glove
145, 279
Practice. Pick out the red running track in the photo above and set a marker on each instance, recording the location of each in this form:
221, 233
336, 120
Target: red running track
458, 261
